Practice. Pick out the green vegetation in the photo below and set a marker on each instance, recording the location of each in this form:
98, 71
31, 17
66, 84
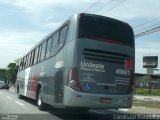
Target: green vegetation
2, 72
142, 91
9, 72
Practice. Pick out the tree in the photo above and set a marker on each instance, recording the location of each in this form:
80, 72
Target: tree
10, 72
2, 72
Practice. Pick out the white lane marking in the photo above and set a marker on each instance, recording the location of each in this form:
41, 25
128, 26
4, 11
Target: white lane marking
9, 97
124, 110
97, 111
19, 103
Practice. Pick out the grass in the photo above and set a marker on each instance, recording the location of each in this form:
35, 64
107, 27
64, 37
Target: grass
142, 91
150, 104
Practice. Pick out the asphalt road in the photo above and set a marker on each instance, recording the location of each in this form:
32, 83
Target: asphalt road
13, 108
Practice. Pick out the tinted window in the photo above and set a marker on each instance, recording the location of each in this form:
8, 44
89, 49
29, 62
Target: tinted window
29, 59
54, 43
36, 55
24, 62
21, 64
48, 47
32, 58
43, 51
63, 34
103, 28
39, 53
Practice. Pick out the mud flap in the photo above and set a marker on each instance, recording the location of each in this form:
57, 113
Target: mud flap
59, 86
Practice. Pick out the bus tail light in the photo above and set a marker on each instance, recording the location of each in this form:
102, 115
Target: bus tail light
82, 14
106, 40
128, 64
73, 80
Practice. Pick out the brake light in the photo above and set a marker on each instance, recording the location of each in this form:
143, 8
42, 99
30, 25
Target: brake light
82, 14
73, 80
109, 41
128, 64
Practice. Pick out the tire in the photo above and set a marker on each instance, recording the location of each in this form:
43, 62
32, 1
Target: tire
19, 96
40, 103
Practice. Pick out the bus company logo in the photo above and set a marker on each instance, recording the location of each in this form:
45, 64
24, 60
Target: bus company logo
59, 64
90, 66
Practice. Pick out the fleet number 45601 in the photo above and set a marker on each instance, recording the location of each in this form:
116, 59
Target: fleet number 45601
122, 72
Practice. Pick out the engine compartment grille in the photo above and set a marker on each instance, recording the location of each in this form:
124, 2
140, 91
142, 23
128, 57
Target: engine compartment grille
100, 55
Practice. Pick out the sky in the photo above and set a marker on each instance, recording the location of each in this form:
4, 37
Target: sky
23, 23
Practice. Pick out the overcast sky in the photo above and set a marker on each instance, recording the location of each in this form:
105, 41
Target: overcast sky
25, 22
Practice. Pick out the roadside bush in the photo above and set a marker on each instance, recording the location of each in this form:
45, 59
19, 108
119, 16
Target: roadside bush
142, 91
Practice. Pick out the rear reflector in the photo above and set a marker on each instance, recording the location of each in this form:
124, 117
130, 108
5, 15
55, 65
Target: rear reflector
73, 79
128, 64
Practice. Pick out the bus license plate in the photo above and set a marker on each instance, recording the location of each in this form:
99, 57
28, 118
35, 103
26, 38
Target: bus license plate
105, 100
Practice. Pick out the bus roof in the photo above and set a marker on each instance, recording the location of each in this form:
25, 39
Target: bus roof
70, 18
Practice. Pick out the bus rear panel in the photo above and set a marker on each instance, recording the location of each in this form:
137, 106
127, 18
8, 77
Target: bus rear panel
104, 74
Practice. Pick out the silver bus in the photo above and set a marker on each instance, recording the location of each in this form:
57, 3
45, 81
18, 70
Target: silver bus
88, 62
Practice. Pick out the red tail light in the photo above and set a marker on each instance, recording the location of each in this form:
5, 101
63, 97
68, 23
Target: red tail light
73, 80
82, 14
109, 41
128, 64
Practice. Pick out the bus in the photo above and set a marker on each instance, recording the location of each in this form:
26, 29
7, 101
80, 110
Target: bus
88, 62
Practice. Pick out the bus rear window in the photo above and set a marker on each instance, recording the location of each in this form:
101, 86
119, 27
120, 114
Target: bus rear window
103, 28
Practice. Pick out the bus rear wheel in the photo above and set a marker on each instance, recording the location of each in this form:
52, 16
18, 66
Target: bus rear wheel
40, 103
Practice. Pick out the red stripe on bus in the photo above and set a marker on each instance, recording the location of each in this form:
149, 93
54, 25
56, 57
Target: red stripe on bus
33, 84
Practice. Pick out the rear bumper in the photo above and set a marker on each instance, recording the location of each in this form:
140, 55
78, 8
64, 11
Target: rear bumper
74, 98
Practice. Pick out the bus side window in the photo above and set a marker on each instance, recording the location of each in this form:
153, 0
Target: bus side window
30, 54
63, 34
36, 55
43, 51
54, 47
39, 53
49, 43
21, 65
24, 62
32, 57
29, 58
